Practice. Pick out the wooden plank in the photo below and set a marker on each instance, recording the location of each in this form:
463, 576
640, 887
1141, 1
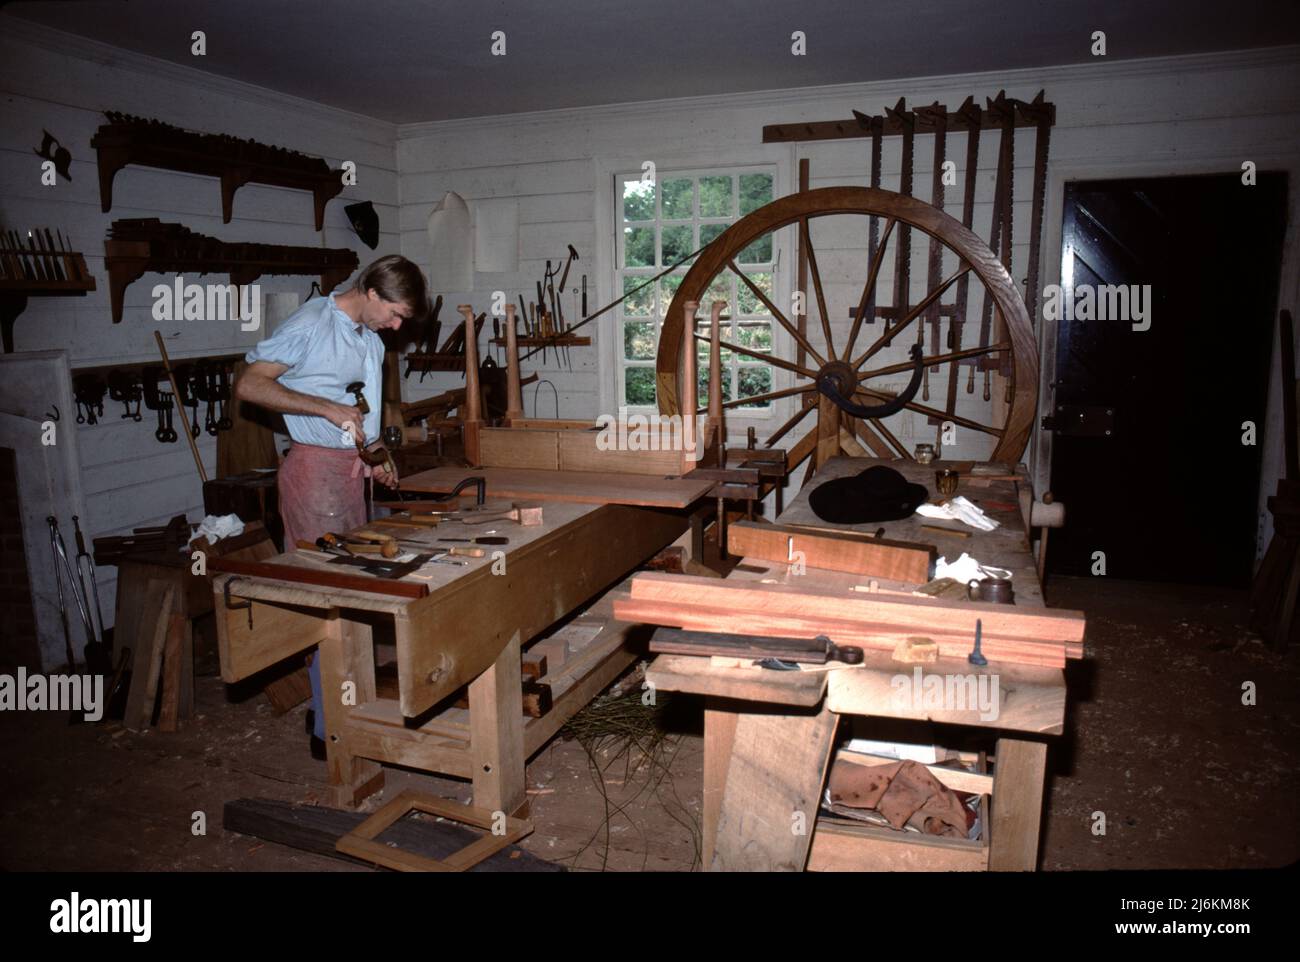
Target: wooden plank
579, 452
1029, 699
173, 656
730, 619
773, 788
519, 448
696, 676
316, 829
249, 641
320, 578
157, 602
719, 736
288, 691
839, 846
472, 618
1005, 621
496, 739
854, 553
585, 487
347, 678
1019, 775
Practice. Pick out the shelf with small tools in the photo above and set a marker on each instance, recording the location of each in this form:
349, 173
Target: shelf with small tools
136, 246
127, 140
40, 268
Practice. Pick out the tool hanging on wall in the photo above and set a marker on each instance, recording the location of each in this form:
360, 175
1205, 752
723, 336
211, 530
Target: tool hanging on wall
1004, 113
971, 114
88, 391
160, 401
125, 389
906, 121
185, 380
51, 149
935, 120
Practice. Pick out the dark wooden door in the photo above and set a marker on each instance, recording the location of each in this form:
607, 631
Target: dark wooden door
1170, 493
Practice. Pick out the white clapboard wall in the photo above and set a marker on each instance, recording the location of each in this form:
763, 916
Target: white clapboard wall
1169, 116
59, 83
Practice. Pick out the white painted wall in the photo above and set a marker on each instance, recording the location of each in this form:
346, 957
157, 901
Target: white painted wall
60, 83
1138, 118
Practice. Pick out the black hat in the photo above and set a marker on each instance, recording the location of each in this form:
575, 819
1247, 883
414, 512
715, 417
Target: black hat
877, 494
365, 222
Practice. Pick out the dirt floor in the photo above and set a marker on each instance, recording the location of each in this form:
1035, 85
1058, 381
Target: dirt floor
1158, 740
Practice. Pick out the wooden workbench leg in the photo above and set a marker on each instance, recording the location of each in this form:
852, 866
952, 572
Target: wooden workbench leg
496, 734
347, 655
1018, 779
719, 733
773, 789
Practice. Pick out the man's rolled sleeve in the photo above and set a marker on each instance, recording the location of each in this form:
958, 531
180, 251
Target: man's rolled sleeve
287, 346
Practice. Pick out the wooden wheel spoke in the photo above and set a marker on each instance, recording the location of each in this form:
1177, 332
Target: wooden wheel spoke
770, 396
889, 436
933, 361
934, 412
806, 240
962, 269
785, 429
767, 358
873, 440
780, 318
870, 285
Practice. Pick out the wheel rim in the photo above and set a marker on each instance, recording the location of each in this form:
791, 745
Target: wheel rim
974, 258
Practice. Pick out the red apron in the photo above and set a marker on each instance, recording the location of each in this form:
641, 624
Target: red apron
321, 489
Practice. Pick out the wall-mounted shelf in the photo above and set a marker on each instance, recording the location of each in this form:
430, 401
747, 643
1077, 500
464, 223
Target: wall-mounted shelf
139, 245
36, 272
559, 340
434, 362
128, 140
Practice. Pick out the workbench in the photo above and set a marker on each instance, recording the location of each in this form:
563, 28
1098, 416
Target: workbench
769, 735
468, 630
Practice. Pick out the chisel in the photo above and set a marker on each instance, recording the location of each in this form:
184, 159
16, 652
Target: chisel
495, 540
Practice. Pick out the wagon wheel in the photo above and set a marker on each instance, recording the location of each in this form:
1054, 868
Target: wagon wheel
1010, 413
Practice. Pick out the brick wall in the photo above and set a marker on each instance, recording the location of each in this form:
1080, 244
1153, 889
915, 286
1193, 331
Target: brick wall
18, 636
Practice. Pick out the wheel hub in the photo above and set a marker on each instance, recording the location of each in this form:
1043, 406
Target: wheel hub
843, 376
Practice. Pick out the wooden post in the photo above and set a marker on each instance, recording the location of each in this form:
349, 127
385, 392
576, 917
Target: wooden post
1018, 781
688, 391
346, 655
473, 419
716, 437
514, 395
496, 734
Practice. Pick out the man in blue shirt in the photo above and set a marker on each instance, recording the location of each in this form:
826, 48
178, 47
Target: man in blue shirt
303, 371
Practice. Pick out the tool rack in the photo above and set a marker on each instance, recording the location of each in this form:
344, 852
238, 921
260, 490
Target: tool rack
35, 272
138, 245
126, 140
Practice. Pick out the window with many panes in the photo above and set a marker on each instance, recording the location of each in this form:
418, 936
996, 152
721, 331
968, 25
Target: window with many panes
662, 221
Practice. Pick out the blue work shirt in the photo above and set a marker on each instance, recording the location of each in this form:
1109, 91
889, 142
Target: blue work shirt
325, 351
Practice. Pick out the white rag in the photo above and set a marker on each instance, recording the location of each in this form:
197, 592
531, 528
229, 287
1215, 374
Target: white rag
966, 569
960, 509
214, 527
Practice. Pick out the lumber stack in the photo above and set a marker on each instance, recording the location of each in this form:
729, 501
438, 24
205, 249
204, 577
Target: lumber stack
1037, 637
854, 552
